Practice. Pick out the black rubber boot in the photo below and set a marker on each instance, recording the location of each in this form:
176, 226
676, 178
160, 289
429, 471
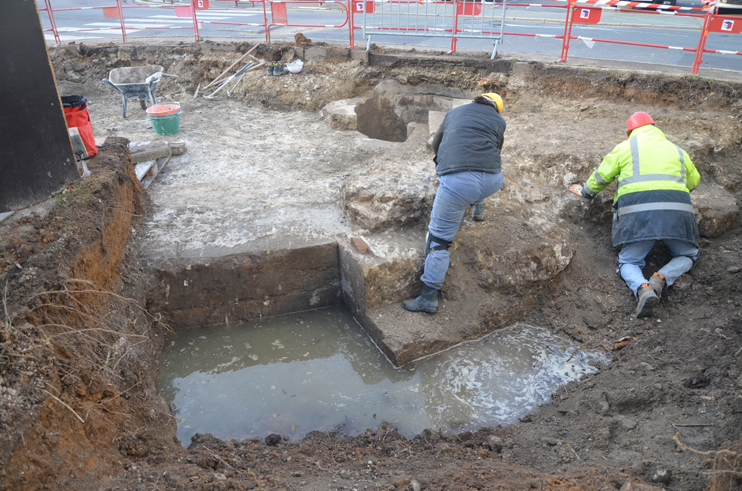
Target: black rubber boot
426, 302
477, 212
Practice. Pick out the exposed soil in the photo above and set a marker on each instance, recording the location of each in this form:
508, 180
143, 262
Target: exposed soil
78, 406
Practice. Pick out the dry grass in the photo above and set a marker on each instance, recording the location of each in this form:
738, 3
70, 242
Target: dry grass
98, 327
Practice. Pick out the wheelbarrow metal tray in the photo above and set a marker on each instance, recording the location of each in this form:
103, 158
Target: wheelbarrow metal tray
131, 82
133, 75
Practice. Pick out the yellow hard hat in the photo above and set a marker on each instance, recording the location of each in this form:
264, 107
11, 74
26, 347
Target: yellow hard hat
496, 99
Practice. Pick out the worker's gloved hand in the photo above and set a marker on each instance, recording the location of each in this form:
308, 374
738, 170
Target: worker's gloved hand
576, 189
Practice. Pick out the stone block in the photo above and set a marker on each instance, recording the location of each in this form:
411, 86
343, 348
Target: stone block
390, 199
358, 54
435, 120
178, 148
495, 278
460, 102
716, 209
342, 114
315, 53
337, 55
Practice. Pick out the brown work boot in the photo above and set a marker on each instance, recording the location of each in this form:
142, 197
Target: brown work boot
647, 300
658, 283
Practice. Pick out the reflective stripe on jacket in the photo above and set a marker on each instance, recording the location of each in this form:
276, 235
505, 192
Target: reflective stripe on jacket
652, 198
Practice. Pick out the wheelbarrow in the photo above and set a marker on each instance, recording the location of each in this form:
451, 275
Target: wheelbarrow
139, 81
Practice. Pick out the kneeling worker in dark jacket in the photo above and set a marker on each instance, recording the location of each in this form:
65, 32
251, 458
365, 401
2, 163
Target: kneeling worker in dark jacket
652, 202
467, 147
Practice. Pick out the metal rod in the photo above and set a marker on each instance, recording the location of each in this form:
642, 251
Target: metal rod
121, 19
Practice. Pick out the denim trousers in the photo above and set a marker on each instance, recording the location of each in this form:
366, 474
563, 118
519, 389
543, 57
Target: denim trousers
455, 193
631, 262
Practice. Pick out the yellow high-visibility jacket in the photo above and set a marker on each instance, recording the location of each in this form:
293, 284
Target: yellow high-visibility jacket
652, 199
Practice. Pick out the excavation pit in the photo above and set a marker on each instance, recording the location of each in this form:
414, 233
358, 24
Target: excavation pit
259, 217
319, 371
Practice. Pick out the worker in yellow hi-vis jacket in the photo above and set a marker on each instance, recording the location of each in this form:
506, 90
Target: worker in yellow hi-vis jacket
652, 202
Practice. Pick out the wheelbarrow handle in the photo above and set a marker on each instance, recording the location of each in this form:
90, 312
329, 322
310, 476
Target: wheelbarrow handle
157, 76
105, 80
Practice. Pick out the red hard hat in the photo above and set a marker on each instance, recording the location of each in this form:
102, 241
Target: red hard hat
636, 120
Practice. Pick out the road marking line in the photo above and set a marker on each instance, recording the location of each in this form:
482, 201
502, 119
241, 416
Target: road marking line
84, 29
182, 19
86, 35
224, 12
141, 25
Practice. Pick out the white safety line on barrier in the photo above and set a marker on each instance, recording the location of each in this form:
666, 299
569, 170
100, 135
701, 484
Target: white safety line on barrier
623, 3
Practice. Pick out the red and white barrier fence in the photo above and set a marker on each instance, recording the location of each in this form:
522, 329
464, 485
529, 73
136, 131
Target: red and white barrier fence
279, 14
622, 3
204, 5
592, 15
576, 13
117, 12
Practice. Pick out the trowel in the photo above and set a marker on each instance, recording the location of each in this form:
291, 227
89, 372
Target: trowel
80, 152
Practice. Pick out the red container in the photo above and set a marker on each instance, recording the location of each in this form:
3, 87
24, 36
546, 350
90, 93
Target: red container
77, 116
163, 109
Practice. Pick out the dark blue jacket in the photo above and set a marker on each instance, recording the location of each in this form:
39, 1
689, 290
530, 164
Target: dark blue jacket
654, 215
472, 138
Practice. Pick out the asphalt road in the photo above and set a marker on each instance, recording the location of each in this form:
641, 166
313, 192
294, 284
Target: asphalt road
666, 30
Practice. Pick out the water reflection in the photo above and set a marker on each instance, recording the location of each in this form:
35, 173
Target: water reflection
318, 371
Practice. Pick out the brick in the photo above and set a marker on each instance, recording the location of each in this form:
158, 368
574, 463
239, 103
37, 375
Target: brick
359, 245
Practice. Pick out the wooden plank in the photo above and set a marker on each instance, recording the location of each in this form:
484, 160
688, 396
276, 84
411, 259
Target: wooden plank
142, 168
154, 171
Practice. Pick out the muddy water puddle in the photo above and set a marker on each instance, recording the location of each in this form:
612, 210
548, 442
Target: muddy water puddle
318, 370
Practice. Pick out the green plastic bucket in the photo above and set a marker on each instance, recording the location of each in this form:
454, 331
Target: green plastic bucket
169, 124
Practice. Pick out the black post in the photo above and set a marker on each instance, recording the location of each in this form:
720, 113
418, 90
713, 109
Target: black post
36, 157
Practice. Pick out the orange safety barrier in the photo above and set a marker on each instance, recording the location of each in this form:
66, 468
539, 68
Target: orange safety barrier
716, 23
279, 16
236, 2
592, 15
113, 11
117, 12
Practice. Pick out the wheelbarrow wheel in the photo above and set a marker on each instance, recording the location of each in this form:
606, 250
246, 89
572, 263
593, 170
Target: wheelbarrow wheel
143, 104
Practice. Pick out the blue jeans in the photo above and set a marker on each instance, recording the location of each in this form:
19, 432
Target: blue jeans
631, 262
455, 192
